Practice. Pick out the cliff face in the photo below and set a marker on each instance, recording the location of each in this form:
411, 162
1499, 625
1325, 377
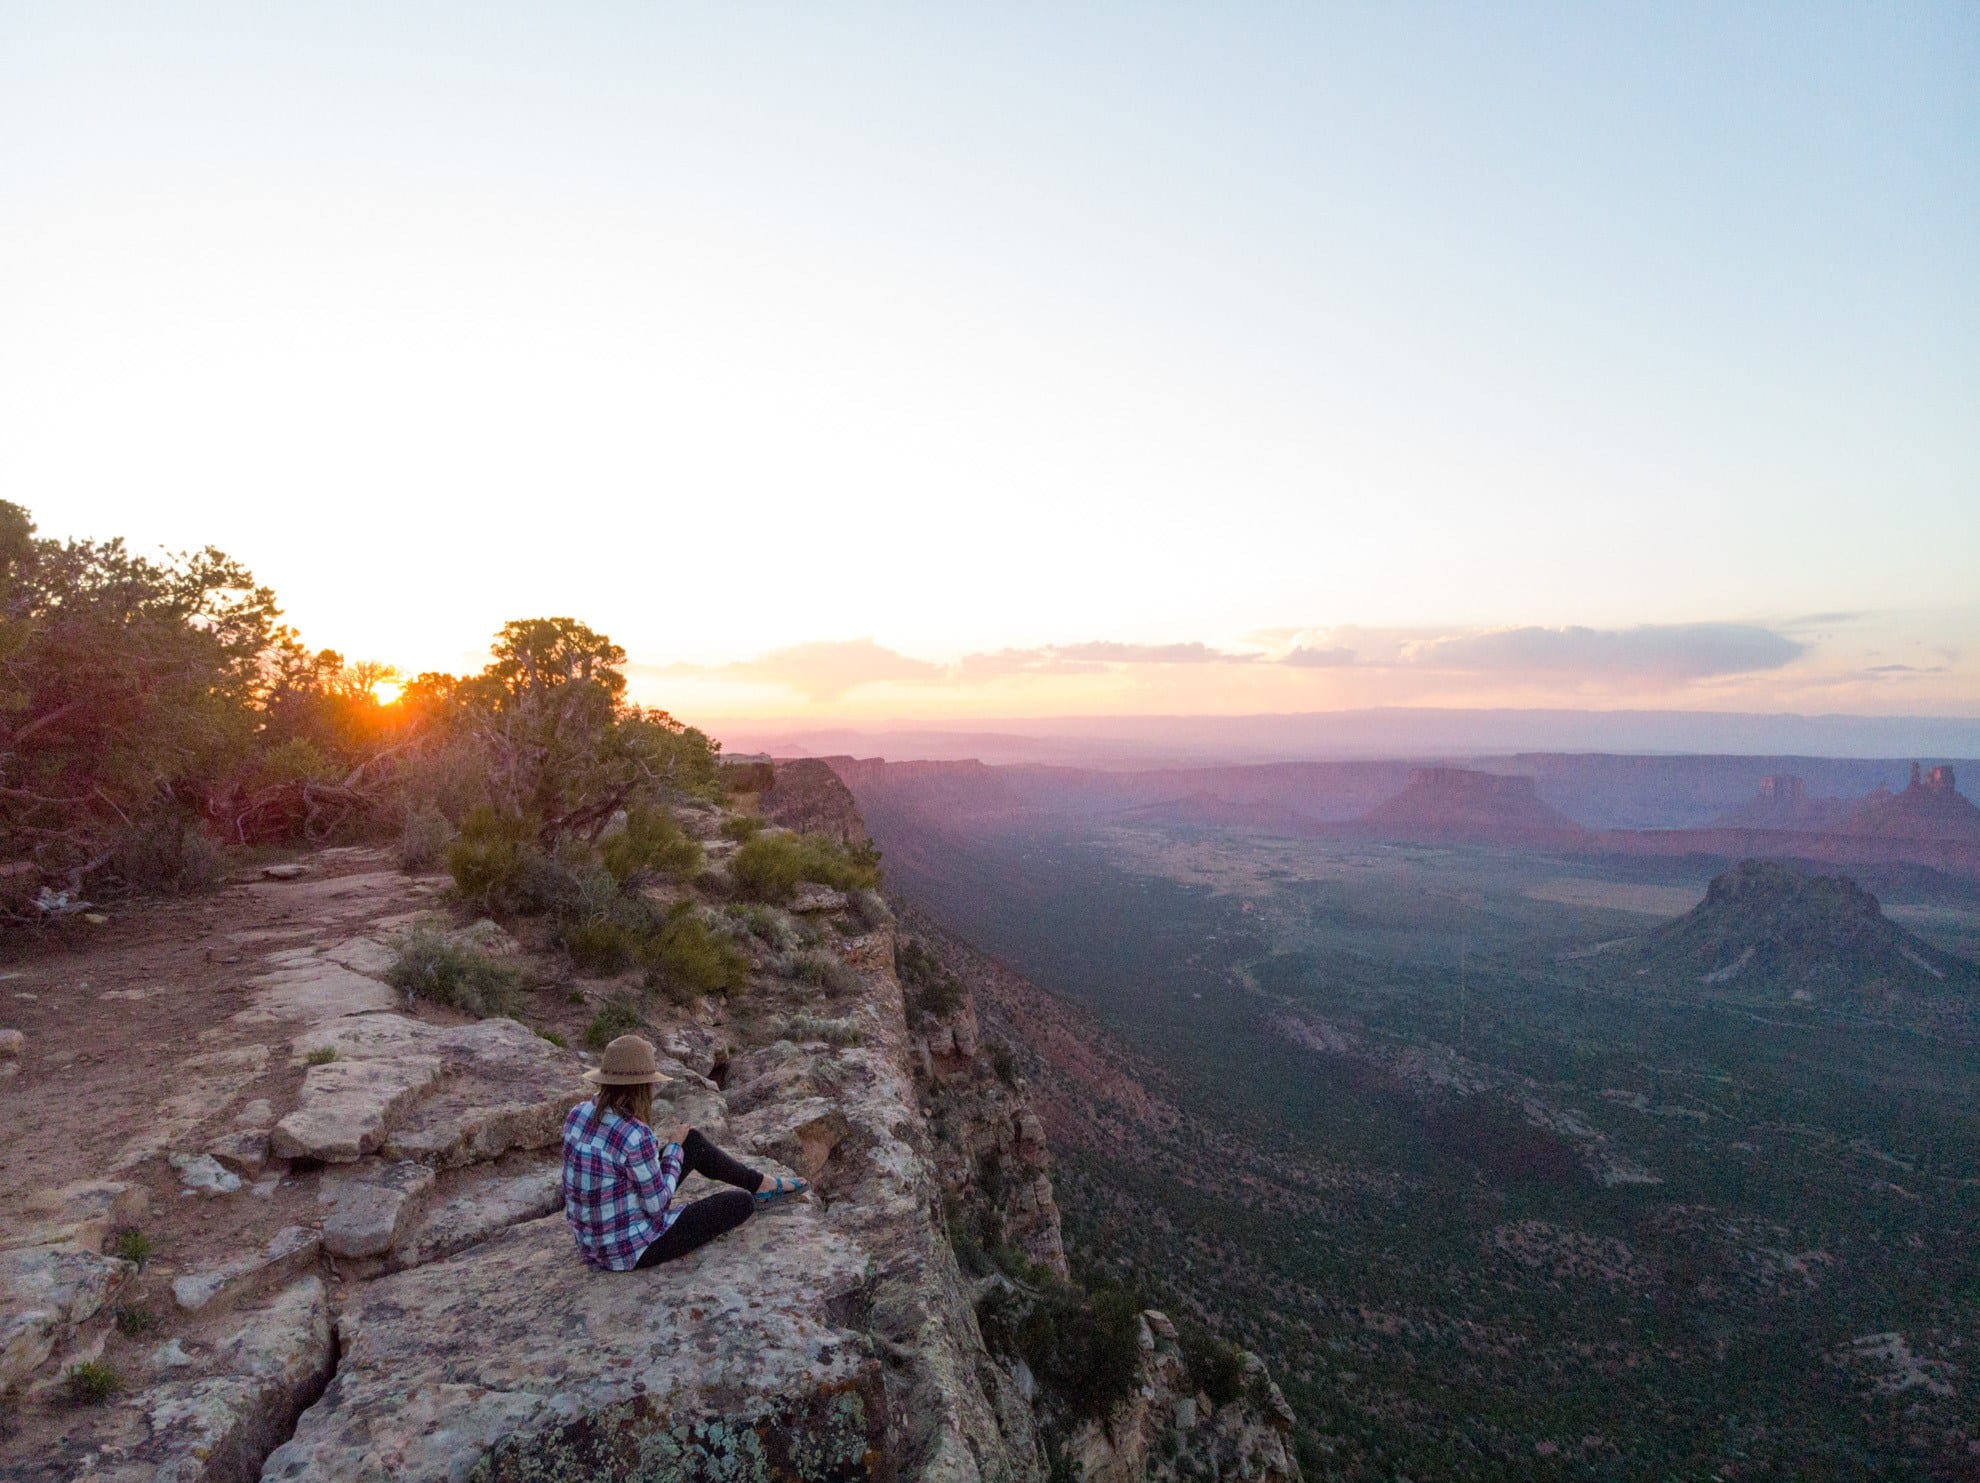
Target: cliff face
375, 1280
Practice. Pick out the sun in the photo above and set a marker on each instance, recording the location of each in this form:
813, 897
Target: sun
387, 692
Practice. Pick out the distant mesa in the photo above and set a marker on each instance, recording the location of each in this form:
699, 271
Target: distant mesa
1784, 802
1929, 808
1456, 803
1772, 931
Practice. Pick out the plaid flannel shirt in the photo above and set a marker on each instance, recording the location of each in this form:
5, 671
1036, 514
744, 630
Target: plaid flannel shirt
618, 1184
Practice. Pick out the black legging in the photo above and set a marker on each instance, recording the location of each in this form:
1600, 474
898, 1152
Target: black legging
705, 1219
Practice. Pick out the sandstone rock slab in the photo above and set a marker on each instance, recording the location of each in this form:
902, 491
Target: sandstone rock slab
515, 1361
82, 1215
218, 1427
292, 1251
370, 1204
506, 1088
45, 1291
810, 897
347, 1105
484, 1209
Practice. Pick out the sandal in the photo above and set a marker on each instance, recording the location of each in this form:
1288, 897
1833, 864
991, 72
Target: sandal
783, 1189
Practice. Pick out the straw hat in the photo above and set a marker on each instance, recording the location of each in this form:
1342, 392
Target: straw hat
628, 1062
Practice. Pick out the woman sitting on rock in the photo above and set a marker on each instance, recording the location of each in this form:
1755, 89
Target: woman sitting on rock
619, 1177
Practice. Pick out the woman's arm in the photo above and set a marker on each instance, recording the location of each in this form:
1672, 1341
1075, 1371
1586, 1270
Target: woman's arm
655, 1172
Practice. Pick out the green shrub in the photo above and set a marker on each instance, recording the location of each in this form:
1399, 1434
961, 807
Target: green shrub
431, 967
135, 1320
1003, 1061
92, 1383
619, 1016
423, 839
323, 1055
769, 866
1084, 1348
741, 827
651, 843
555, 1039
933, 991
600, 944
133, 1245
488, 857
690, 958
1216, 1366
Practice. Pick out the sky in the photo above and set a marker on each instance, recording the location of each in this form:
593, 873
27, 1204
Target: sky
891, 361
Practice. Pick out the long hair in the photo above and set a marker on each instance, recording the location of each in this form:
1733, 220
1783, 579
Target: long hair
635, 1102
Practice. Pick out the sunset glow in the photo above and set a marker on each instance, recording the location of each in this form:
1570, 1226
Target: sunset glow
1030, 364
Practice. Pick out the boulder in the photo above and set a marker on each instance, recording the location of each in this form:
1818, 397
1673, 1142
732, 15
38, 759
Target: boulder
202, 1174
370, 1203
12, 1043
244, 1152
45, 1291
286, 872
506, 1088
346, 1106
292, 1251
515, 1361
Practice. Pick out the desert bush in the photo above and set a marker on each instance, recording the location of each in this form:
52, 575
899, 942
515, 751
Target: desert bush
92, 1383
1084, 1347
487, 858
1003, 1061
651, 843
135, 1320
423, 839
167, 853
430, 966
832, 974
741, 827
555, 1039
1216, 1366
841, 1032
618, 1016
133, 1245
933, 991
770, 866
872, 908
690, 958
323, 1055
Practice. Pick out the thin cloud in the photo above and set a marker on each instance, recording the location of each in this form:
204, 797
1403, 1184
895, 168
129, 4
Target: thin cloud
825, 671
1305, 657
1905, 669
1104, 652
1667, 652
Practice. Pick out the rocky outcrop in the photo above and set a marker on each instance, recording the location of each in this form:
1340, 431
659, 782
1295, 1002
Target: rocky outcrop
807, 796
413, 1161
1169, 1430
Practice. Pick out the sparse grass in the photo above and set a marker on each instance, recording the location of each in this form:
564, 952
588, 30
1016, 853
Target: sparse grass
555, 1039
618, 1017
770, 866
832, 974
323, 1055
135, 1320
133, 1245
92, 1382
431, 967
841, 1032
